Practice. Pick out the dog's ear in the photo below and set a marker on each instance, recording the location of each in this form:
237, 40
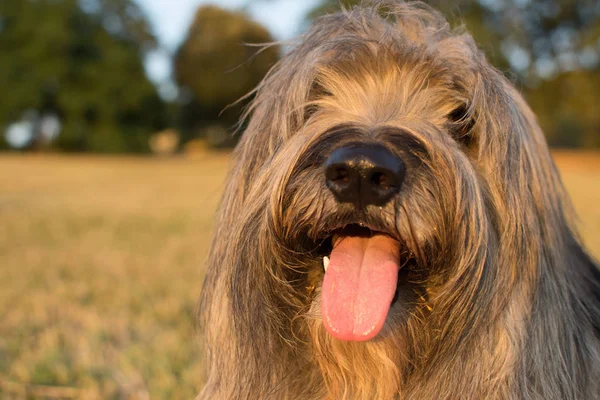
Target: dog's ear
508, 138
276, 113
511, 155
493, 120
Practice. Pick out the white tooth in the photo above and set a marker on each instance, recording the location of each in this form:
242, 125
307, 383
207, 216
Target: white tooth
325, 263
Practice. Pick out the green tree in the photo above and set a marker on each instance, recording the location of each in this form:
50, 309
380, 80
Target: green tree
549, 48
216, 65
81, 60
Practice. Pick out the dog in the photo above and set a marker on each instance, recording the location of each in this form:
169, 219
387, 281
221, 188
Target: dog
393, 227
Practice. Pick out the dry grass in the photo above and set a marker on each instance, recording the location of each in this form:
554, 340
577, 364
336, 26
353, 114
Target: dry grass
581, 176
101, 266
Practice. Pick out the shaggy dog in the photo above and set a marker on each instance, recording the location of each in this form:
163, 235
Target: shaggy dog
393, 227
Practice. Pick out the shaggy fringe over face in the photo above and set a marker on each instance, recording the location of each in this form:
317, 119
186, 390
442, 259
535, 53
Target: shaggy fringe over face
497, 299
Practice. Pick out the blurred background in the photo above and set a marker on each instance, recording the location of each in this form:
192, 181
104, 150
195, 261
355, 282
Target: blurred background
115, 134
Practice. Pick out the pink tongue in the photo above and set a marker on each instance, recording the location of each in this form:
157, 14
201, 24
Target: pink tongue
359, 286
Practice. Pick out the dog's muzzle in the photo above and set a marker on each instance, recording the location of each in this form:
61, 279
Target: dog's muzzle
361, 272
364, 174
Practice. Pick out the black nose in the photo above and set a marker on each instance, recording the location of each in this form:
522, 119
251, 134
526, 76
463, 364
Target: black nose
364, 174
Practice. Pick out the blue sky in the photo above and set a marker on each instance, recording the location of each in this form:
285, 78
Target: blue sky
170, 20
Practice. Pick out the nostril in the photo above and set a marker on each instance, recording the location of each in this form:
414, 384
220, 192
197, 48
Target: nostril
381, 180
340, 175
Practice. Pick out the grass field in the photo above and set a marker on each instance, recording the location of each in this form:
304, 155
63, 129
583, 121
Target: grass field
101, 263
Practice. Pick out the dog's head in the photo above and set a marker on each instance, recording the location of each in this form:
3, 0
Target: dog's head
387, 173
392, 190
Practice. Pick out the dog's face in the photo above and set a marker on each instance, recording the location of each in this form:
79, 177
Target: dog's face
381, 188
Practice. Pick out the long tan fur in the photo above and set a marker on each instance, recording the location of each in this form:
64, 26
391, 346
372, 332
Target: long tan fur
502, 302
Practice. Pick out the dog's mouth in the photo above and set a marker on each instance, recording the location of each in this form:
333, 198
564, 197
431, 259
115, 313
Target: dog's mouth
361, 281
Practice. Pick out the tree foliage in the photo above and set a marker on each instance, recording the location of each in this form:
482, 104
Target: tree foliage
549, 48
216, 65
81, 60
